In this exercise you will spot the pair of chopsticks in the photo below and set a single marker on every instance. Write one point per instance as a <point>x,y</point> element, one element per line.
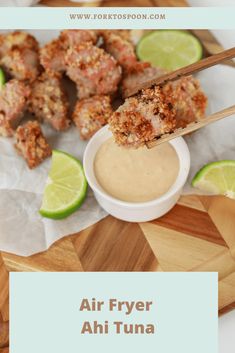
<point>175,75</point>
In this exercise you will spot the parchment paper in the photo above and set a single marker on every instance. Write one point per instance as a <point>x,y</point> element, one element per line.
<point>24,232</point>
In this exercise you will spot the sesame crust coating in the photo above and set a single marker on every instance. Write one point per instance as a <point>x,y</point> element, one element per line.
<point>48,101</point>
<point>93,70</point>
<point>17,39</point>
<point>31,144</point>
<point>91,114</point>
<point>21,63</point>
<point>73,37</point>
<point>133,79</point>
<point>123,33</point>
<point>20,56</point>
<point>143,117</point>
<point>157,111</point>
<point>123,51</point>
<point>189,100</point>
<point>13,97</point>
<point>52,55</point>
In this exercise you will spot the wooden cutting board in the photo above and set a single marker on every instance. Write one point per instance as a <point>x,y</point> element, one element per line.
<point>197,235</point>
<point>117,3</point>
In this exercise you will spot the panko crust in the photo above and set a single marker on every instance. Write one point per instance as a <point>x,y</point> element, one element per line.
<point>143,117</point>
<point>13,102</point>
<point>52,55</point>
<point>94,71</point>
<point>133,79</point>
<point>157,111</point>
<point>49,102</point>
<point>123,51</point>
<point>31,144</point>
<point>17,39</point>
<point>21,63</point>
<point>91,114</point>
<point>73,37</point>
<point>189,100</point>
<point>19,56</point>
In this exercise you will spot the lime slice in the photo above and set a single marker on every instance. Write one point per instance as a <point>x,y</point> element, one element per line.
<point>2,79</point>
<point>217,178</point>
<point>169,49</point>
<point>66,187</point>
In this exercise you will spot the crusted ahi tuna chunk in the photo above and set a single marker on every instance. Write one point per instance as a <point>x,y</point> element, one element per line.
<point>123,51</point>
<point>19,56</point>
<point>31,144</point>
<point>48,101</point>
<point>156,111</point>
<point>52,55</point>
<point>91,114</point>
<point>94,71</point>
<point>13,101</point>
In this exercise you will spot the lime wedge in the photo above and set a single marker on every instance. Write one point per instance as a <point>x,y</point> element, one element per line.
<point>169,49</point>
<point>66,187</point>
<point>2,79</point>
<point>217,178</point>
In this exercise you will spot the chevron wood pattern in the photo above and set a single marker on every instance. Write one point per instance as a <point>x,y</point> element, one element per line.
<point>197,235</point>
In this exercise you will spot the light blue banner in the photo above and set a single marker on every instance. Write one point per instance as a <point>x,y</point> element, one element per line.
<point>117,18</point>
<point>50,311</point>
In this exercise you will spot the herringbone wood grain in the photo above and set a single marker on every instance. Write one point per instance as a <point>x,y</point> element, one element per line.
<point>197,235</point>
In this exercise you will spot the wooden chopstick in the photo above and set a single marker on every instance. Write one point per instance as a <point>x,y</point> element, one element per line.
<point>184,71</point>
<point>193,126</point>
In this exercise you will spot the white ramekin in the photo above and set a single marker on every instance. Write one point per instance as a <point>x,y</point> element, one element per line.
<point>141,211</point>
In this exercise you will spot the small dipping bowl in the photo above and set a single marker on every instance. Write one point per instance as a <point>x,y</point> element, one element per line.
<point>135,211</point>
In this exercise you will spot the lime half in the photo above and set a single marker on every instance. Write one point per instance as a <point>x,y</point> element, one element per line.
<point>2,79</point>
<point>217,178</point>
<point>169,49</point>
<point>66,187</point>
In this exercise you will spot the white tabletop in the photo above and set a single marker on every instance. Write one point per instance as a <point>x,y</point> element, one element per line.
<point>227,333</point>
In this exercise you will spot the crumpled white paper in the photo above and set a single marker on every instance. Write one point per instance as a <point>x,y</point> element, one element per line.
<point>24,232</point>
<point>215,141</point>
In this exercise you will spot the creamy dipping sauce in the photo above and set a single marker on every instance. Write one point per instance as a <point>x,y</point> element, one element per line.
<point>139,175</point>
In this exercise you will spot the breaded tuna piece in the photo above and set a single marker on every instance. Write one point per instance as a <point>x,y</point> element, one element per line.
<point>31,144</point>
<point>133,79</point>
<point>143,117</point>
<point>157,111</point>
<point>22,64</point>
<point>94,71</point>
<point>190,101</point>
<point>17,39</point>
<point>20,56</point>
<point>124,34</point>
<point>91,114</point>
<point>52,55</point>
<point>48,101</point>
<point>123,51</point>
<point>73,37</point>
<point>13,101</point>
